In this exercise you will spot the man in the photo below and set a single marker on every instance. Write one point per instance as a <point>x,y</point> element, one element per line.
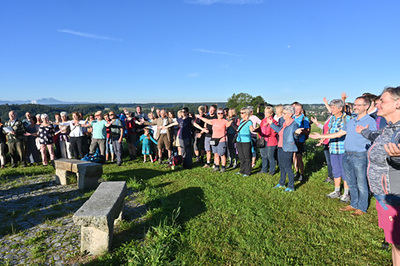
<point>163,136</point>
<point>117,132</point>
<point>15,130</point>
<point>208,134</point>
<point>99,134</point>
<point>303,122</point>
<point>336,148</point>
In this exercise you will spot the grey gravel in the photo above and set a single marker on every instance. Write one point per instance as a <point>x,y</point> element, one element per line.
<point>36,224</point>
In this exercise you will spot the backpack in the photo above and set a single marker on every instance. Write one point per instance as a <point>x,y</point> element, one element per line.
<point>93,157</point>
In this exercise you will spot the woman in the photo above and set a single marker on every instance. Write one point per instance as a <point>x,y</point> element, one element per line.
<point>109,147</point>
<point>383,168</point>
<point>63,136</point>
<point>243,142</point>
<point>32,149</point>
<point>198,144</point>
<point>219,127</point>
<point>270,136</point>
<point>287,133</point>
<point>130,124</point>
<point>46,139</point>
<point>76,135</point>
<point>231,132</point>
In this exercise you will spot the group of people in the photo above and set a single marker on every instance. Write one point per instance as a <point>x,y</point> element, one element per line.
<point>360,143</point>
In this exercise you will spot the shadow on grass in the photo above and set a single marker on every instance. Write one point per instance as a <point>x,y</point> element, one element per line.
<point>138,173</point>
<point>189,201</point>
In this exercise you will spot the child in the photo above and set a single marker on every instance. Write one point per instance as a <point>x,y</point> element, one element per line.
<point>146,147</point>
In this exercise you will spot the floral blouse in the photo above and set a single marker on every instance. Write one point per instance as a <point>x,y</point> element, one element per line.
<point>46,134</point>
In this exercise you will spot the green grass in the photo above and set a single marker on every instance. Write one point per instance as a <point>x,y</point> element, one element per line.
<point>197,217</point>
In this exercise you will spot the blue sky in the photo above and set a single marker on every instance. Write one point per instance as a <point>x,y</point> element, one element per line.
<point>197,50</point>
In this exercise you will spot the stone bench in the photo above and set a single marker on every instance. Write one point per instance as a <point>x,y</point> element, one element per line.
<point>97,216</point>
<point>87,173</point>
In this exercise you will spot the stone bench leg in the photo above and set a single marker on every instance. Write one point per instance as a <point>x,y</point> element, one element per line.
<point>62,176</point>
<point>88,177</point>
<point>96,241</point>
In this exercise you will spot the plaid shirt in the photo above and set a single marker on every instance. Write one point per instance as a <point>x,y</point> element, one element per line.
<point>336,146</point>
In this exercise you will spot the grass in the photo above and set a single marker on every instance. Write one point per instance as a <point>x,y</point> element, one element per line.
<point>197,217</point>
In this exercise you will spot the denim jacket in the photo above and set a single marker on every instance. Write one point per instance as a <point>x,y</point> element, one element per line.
<point>289,136</point>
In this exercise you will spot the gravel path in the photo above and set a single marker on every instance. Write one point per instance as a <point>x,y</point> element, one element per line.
<point>36,224</point>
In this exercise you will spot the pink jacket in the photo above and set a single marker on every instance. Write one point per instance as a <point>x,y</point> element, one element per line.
<point>268,133</point>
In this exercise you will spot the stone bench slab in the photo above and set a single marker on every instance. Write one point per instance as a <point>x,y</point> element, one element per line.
<point>97,215</point>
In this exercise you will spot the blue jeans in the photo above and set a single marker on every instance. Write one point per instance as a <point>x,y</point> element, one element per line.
<point>268,156</point>
<point>355,168</point>
<point>285,164</point>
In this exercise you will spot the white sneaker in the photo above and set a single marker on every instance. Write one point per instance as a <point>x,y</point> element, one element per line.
<point>334,195</point>
<point>345,198</point>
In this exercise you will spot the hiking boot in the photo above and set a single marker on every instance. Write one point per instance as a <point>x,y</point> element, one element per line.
<point>223,170</point>
<point>345,198</point>
<point>216,169</point>
<point>334,195</point>
<point>206,166</point>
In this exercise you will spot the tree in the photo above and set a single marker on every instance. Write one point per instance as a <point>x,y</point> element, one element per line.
<point>239,101</point>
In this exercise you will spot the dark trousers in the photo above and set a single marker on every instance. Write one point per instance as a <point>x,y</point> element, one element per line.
<point>285,165</point>
<point>232,155</point>
<point>16,149</point>
<point>77,147</point>
<point>244,152</point>
<point>117,149</point>
<point>187,152</point>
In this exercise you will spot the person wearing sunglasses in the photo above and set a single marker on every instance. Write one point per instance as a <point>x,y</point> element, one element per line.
<point>219,127</point>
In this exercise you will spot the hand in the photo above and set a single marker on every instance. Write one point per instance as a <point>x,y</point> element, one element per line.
<point>392,149</point>
<point>152,109</point>
<point>325,100</point>
<point>298,131</point>
<point>197,116</point>
<point>315,135</point>
<point>344,96</point>
<point>314,120</point>
<point>360,128</point>
<point>120,140</point>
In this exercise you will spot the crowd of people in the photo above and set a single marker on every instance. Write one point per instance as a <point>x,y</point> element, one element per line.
<point>360,143</point>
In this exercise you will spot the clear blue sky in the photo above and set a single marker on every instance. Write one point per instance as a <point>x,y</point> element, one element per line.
<point>197,50</point>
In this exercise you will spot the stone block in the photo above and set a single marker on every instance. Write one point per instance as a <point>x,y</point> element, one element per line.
<point>97,215</point>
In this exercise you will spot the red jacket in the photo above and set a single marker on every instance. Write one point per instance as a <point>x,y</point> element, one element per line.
<point>270,136</point>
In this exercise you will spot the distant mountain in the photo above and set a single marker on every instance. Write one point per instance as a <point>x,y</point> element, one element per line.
<point>43,101</point>
<point>48,101</point>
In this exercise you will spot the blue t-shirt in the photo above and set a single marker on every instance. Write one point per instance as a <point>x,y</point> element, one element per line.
<point>244,135</point>
<point>303,123</point>
<point>355,142</point>
<point>99,129</point>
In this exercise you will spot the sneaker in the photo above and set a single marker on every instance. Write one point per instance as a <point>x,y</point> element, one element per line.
<point>328,180</point>
<point>206,166</point>
<point>279,186</point>
<point>334,195</point>
<point>300,178</point>
<point>289,190</point>
<point>297,175</point>
<point>223,170</point>
<point>244,175</point>
<point>216,169</point>
<point>238,173</point>
<point>253,165</point>
<point>345,198</point>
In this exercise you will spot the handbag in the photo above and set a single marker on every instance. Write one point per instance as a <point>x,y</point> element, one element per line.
<point>260,143</point>
<point>214,141</point>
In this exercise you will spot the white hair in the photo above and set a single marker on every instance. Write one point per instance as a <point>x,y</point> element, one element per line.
<point>44,116</point>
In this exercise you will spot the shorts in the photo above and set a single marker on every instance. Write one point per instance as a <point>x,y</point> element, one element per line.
<point>337,166</point>
<point>220,149</point>
<point>300,147</point>
<point>207,145</point>
<point>389,221</point>
<point>163,140</point>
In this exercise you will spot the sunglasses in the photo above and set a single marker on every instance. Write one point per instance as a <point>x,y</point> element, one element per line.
<point>220,113</point>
